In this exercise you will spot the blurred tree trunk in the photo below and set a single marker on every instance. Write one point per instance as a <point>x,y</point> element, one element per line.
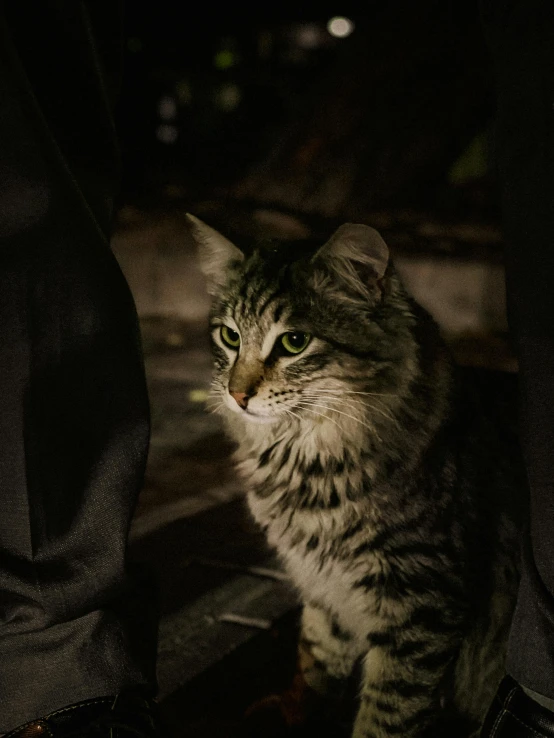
<point>409,90</point>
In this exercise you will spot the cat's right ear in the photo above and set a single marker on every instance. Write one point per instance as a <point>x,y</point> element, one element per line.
<point>216,253</point>
<point>356,258</point>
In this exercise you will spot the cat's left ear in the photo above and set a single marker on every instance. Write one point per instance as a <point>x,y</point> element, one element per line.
<point>215,252</point>
<point>357,255</point>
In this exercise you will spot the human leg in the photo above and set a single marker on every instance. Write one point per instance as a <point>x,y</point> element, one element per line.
<point>74,409</point>
<point>522,43</point>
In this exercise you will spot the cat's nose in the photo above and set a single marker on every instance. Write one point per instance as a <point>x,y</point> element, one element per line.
<point>241,398</point>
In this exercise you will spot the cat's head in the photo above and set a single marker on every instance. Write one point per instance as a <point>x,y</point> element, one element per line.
<point>305,332</point>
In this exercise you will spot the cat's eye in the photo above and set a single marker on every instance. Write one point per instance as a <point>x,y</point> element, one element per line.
<point>229,337</point>
<point>294,342</point>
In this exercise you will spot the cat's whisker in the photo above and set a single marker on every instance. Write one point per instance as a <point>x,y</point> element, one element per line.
<point>216,409</point>
<point>384,414</point>
<point>295,415</point>
<point>340,412</point>
<point>322,415</point>
<point>342,400</point>
<point>308,406</point>
<point>340,394</point>
<point>372,407</point>
<point>215,399</point>
<point>342,397</point>
<point>356,392</point>
<point>348,403</point>
<point>350,400</point>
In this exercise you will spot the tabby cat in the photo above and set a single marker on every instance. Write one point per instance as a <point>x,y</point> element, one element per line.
<point>389,482</point>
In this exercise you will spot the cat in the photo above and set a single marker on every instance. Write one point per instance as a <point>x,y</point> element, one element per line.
<point>389,481</point>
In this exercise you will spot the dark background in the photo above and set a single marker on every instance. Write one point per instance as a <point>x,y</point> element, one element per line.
<point>266,105</point>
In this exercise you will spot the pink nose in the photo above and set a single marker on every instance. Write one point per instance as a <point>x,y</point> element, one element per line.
<point>241,398</point>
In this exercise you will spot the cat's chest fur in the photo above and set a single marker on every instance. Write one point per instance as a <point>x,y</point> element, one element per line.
<point>309,496</point>
<point>309,546</point>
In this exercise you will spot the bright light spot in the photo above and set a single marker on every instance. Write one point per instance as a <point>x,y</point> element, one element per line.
<point>224,59</point>
<point>340,27</point>
<point>198,395</point>
<point>167,134</point>
<point>167,108</point>
<point>228,97</point>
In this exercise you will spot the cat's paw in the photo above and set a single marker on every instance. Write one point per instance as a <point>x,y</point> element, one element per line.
<point>269,717</point>
<point>298,711</point>
<point>281,714</point>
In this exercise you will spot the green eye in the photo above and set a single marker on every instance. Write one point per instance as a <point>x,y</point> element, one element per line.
<point>230,337</point>
<point>294,342</point>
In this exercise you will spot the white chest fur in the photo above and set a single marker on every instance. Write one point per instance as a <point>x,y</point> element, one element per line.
<point>319,574</point>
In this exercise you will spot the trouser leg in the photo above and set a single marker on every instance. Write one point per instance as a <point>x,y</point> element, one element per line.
<point>73,403</point>
<point>521,34</point>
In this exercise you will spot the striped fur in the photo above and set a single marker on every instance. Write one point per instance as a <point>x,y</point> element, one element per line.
<point>389,482</point>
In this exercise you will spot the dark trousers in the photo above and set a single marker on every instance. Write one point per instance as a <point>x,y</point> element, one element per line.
<point>73,405</point>
<point>521,35</point>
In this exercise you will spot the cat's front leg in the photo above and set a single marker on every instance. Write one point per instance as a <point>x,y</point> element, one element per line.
<point>327,652</point>
<point>404,672</point>
<point>327,655</point>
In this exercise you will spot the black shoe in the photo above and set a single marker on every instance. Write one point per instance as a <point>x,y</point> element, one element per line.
<point>515,715</point>
<point>124,716</point>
